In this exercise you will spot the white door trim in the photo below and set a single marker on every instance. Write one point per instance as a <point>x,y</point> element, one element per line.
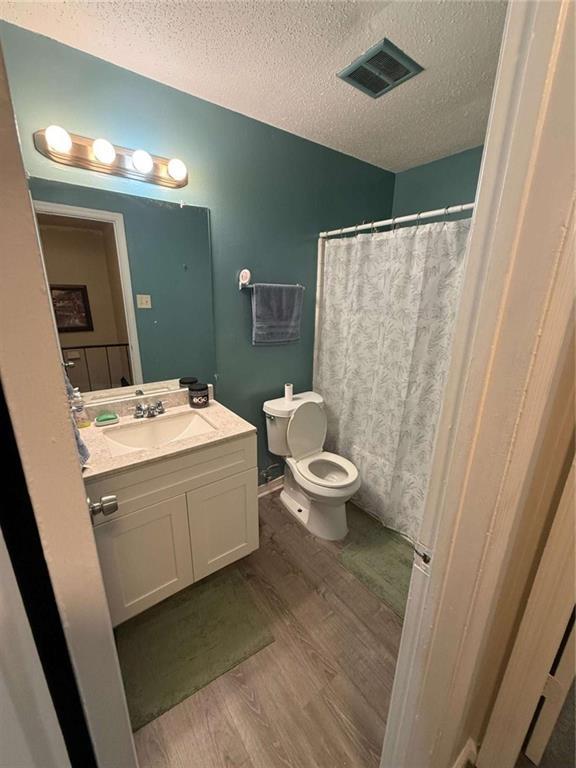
<point>543,625</point>
<point>117,221</point>
<point>33,385</point>
<point>523,206</point>
<point>467,756</point>
<point>30,734</point>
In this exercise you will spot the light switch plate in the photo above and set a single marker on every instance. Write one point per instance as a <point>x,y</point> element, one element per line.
<point>143,301</point>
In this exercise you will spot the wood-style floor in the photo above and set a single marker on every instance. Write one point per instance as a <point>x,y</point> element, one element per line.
<point>315,698</point>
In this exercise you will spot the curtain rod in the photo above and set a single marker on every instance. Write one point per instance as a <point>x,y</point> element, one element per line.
<point>401,219</point>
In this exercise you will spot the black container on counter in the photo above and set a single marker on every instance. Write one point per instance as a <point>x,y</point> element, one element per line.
<point>198,395</point>
<point>186,381</point>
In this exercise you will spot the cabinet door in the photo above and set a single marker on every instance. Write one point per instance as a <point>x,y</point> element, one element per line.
<point>145,556</point>
<point>223,522</point>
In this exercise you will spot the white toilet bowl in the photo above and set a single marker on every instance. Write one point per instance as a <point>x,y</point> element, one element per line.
<point>317,484</point>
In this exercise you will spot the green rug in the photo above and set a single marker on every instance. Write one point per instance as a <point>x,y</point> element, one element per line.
<point>180,645</point>
<point>379,557</point>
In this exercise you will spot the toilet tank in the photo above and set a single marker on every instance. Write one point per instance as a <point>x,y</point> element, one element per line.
<point>278,413</point>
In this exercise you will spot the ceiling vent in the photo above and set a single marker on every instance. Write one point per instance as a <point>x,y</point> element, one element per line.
<point>380,69</point>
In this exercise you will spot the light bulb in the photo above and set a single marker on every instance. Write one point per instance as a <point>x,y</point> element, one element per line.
<point>58,139</point>
<point>176,169</point>
<point>142,161</point>
<point>104,151</point>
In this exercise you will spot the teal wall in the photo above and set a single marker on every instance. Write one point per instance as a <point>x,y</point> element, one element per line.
<point>169,255</point>
<point>268,191</point>
<point>444,182</point>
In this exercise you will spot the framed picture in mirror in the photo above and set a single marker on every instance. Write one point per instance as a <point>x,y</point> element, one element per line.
<point>71,308</point>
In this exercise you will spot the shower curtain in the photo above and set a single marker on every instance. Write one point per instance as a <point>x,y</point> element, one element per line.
<point>387,303</point>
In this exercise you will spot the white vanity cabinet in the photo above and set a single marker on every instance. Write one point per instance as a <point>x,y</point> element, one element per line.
<point>145,556</point>
<point>179,519</point>
<point>223,526</point>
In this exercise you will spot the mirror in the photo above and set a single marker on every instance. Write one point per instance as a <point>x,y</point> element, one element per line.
<point>131,286</point>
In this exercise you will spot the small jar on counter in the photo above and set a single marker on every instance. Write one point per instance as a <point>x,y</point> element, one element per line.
<point>186,381</point>
<point>198,395</point>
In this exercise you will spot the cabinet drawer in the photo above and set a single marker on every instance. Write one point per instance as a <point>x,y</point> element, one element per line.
<point>162,479</point>
<point>223,520</point>
<point>145,557</point>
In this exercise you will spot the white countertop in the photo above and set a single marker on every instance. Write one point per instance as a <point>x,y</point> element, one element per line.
<point>227,426</point>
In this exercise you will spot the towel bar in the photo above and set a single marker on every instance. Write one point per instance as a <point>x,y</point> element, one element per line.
<point>245,276</point>
<point>249,286</point>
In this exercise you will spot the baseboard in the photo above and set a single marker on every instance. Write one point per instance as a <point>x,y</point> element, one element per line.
<point>270,487</point>
<point>467,756</point>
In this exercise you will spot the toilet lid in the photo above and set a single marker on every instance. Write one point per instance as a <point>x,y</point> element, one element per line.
<point>306,430</point>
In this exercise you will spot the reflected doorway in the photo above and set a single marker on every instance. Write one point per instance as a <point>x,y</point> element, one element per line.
<point>84,273</point>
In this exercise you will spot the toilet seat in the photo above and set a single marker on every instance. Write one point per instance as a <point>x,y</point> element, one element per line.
<point>306,430</point>
<point>305,437</point>
<point>327,469</point>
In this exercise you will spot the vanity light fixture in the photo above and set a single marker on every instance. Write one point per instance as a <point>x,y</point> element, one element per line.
<point>58,139</point>
<point>176,169</point>
<point>100,155</point>
<point>104,152</point>
<point>142,161</point>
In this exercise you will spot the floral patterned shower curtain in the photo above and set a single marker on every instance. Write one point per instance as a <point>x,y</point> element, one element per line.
<point>386,317</point>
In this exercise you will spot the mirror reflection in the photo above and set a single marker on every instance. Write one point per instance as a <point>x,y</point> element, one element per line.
<point>130,280</point>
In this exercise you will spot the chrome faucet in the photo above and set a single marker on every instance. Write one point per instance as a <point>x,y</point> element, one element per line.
<point>148,410</point>
<point>140,411</point>
<point>155,410</point>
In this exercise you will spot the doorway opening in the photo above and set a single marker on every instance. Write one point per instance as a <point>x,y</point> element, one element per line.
<point>89,283</point>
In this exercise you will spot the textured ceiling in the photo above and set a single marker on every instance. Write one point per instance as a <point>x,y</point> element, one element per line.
<point>276,61</point>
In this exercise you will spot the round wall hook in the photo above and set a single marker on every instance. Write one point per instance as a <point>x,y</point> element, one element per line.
<point>244,277</point>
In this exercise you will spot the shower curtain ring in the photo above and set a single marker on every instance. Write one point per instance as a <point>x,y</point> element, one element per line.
<point>418,219</point>
<point>446,213</point>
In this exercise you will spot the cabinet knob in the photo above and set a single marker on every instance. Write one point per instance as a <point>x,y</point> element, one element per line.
<point>106,506</point>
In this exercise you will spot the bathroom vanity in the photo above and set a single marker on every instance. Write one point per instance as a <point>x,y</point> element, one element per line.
<point>186,489</point>
<point>184,481</point>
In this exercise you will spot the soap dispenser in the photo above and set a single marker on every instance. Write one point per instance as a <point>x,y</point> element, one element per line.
<point>78,410</point>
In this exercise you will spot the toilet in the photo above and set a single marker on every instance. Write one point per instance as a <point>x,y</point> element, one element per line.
<point>317,484</point>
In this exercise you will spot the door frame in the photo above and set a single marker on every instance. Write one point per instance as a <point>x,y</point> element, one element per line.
<point>543,626</point>
<point>117,221</point>
<point>486,440</point>
<point>40,415</point>
<point>31,733</point>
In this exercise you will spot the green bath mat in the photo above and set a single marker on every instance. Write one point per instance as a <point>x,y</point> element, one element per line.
<point>180,645</point>
<point>379,557</point>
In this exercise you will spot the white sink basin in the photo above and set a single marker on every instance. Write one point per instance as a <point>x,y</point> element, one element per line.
<point>155,432</point>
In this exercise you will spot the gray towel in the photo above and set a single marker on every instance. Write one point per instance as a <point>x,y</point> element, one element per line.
<point>276,313</point>
<point>82,448</point>
<point>69,387</point>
